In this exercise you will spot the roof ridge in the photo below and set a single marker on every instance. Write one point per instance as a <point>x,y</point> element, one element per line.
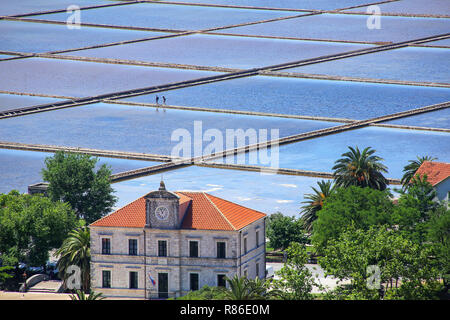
<point>226,219</point>
<point>237,204</point>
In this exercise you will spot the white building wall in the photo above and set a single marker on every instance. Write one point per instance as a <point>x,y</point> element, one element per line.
<point>177,264</point>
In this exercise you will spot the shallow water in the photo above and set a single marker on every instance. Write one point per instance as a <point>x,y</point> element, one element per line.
<point>395,146</point>
<point>265,193</point>
<point>445,42</point>
<point>348,27</point>
<point>220,51</point>
<point>339,99</point>
<point>436,119</point>
<point>28,6</point>
<point>11,101</point>
<point>436,7</point>
<point>21,168</point>
<point>409,64</point>
<point>175,17</point>
<point>285,4</point>
<point>42,37</point>
<point>138,129</point>
<point>82,79</point>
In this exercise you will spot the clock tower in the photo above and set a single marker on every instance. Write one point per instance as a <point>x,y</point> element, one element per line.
<point>162,209</point>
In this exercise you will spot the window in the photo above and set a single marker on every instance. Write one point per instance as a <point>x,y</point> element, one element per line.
<point>162,248</point>
<point>221,280</point>
<point>106,279</point>
<point>193,249</point>
<point>133,280</point>
<point>221,249</point>
<point>257,238</point>
<point>193,281</point>
<point>257,269</point>
<point>245,245</point>
<point>246,273</point>
<point>106,246</point>
<point>132,247</point>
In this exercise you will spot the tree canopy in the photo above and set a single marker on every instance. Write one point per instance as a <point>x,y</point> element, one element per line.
<point>360,207</point>
<point>73,179</point>
<point>30,226</point>
<point>282,230</point>
<point>362,169</point>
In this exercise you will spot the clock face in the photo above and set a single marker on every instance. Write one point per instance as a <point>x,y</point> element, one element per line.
<point>162,213</point>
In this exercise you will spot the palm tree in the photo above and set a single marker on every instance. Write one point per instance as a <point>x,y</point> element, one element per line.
<point>75,250</point>
<point>80,295</point>
<point>410,170</point>
<point>241,288</point>
<point>315,202</point>
<point>362,169</point>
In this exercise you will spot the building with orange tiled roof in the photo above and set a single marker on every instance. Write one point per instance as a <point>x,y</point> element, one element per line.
<point>438,174</point>
<point>165,244</point>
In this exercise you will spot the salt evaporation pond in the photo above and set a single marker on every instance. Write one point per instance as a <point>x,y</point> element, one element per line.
<point>136,129</point>
<point>21,168</point>
<point>338,99</point>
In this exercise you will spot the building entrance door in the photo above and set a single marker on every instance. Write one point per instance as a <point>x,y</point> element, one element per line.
<point>163,285</point>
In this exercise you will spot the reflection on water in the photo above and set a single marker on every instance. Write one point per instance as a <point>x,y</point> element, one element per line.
<point>265,193</point>
<point>82,79</point>
<point>395,146</point>
<point>28,6</point>
<point>408,64</point>
<point>10,101</point>
<point>138,129</point>
<point>436,119</point>
<point>287,4</point>
<point>220,51</point>
<point>337,99</point>
<point>437,7</point>
<point>173,17</point>
<point>348,27</point>
<point>19,169</point>
<point>42,37</point>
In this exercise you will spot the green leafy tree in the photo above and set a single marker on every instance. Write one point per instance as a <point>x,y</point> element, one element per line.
<point>75,250</point>
<point>415,207</point>
<point>282,230</point>
<point>296,281</point>
<point>362,169</point>
<point>438,235</point>
<point>362,207</point>
<point>72,178</point>
<point>405,269</point>
<point>31,226</point>
<point>315,202</point>
<point>410,170</point>
<point>5,274</point>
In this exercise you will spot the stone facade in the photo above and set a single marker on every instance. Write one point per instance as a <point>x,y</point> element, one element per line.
<point>244,255</point>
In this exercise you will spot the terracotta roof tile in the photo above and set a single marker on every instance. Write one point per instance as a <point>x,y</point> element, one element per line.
<point>201,211</point>
<point>435,171</point>
<point>237,215</point>
<point>130,216</point>
<point>203,214</point>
